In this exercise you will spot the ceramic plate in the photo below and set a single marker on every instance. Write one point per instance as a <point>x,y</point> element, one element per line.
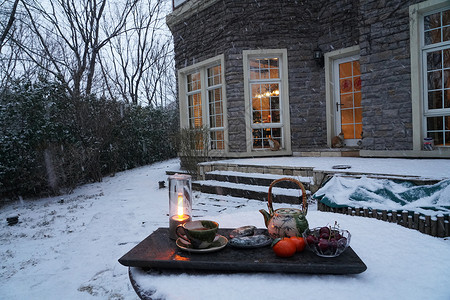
<point>219,242</point>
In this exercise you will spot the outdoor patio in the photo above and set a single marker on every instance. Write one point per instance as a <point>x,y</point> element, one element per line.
<point>69,249</point>
<point>151,284</point>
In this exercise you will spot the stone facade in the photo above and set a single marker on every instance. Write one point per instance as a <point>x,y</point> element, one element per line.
<point>386,74</point>
<point>380,28</point>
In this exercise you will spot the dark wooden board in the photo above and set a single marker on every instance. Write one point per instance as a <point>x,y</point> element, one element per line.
<point>157,251</point>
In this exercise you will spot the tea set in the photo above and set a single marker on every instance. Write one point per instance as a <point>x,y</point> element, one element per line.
<point>201,235</point>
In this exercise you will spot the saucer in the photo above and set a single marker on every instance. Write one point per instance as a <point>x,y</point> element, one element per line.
<point>219,242</point>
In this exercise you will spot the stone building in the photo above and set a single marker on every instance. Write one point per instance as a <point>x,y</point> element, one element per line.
<point>285,77</point>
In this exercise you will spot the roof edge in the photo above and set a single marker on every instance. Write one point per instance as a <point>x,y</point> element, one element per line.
<point>187,10</point>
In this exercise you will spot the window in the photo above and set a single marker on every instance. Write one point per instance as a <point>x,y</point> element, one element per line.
<point>202,100</point>
<point>429,48</point>
<point>215,102</point>
<point>348,114</point>
<point>436,75</point>
<point>265,94</point>
<point>343,95</point>
<point>265,73</point>
<point>194,100</point>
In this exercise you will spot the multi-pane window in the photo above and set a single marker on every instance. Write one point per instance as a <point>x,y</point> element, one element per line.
<point>436,61</point>
<point>265,83</point>
<point>215,102</point>
<point>437,27</point>
<point>350,99</point>
<point>206,83</point>
<point>194,100</point>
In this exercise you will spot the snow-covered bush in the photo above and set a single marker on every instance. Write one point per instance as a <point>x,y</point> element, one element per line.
<point>51,142</point>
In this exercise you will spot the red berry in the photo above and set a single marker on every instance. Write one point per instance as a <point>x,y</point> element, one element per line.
<point>323,245</point>
<point>324,235</point>
<point>324,230</point>
<point>312,240</point>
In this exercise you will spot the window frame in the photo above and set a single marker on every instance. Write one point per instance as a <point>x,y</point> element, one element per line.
<point>213,88</point>
<point>419,99</point>
<point>427,111</point>
<point>330,95</point>
<point>183,93</point>
<point>350,142</point>
<point>283,82</point>
<point>194,93</point>
<point>425,49</point>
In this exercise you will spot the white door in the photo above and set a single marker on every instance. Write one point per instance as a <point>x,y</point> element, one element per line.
<point>347,95</point>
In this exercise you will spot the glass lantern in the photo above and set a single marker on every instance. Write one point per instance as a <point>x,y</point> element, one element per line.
<point>180,202</point>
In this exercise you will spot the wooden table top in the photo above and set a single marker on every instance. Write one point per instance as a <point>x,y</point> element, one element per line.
<point>157,251</point>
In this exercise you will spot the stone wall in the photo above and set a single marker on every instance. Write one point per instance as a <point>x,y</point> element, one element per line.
<point>386,74</point>
<point>380,28</point>
<point>335,24</point>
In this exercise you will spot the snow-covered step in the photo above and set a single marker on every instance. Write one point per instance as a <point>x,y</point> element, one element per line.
<point>210,204</point>
<point>257,178</point>
<point>256,192</point>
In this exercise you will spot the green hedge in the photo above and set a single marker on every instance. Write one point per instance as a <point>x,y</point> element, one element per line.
<point>50,143</point>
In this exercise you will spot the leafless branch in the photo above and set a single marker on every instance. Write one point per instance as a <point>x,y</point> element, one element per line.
<point>118,48</point>
<point>9,24</point>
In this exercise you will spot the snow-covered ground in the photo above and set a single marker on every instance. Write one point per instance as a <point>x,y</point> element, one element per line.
<point>67,247</point>
<point>426,168</point>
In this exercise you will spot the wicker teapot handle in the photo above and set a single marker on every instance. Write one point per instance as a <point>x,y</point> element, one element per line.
<point>304,203</point>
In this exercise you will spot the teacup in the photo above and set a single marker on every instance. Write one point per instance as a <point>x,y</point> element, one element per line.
<point>200,234</point>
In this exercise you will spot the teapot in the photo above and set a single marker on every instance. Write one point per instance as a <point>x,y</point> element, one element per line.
<point>285,222</point>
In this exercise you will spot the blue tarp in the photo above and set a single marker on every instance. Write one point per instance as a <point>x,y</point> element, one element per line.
<point>373,193</point>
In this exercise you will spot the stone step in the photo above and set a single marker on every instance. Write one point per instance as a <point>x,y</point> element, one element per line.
<point>255,192</point>
<point>209,204</point>
<point>258,179</point>
<point>236,167</point>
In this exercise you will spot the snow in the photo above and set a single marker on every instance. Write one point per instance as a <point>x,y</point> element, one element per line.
<point>425,168</point>
<point>67,247</point>
<point>387,194</point>
<point>253,188</point>
<point>259,175</point>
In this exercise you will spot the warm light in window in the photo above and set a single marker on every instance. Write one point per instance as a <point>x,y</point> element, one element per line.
<point>268,94</point>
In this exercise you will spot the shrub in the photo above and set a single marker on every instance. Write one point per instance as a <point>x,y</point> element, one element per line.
<point>50,142</point>
<point>193,148</point>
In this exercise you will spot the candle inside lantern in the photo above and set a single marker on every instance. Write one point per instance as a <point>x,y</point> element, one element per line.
<point>180,204</point>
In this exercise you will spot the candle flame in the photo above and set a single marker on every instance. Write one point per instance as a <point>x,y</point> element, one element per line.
<point>180,205</point>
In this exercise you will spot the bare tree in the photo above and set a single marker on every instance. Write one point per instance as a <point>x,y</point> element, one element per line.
<point>8,25</point>
<point>120,49</point>
<point>70,35</point>
<point>140,59</point>
<point>13,64</point>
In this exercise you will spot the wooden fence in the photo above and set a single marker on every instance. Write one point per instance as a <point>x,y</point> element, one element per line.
<point>436,226</point>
